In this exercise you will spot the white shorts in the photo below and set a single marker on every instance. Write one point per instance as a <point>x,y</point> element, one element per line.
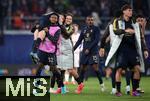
<point>76,60</point>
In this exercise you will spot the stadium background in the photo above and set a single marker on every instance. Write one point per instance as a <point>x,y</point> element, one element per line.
<point>17,17</point>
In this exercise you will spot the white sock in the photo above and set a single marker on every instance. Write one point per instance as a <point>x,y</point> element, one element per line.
<point>72,79</point>
<point>66,77</point>
<point>128,88</point>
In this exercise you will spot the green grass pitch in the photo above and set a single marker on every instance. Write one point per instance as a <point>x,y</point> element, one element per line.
<point>92,92</point>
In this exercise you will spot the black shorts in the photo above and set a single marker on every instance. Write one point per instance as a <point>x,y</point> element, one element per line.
<point>88,59</point>
<point>127,59</point>
<point>47,58</point>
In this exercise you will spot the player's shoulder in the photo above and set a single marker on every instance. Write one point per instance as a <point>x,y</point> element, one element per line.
<point>118,19</point>
<point>95,28</point>
<point>83,28</point>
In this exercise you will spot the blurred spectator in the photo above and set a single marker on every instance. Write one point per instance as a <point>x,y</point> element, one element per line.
<point>104,8</point>
<point>86,7</point>
<point>80,8</point>
<point>24,8</point>
<point>141,7</point>
<point>61,5</point>
<point>49,9</point>
<point>35,7</point>
<point>97,21</point>
<point>17,20</point>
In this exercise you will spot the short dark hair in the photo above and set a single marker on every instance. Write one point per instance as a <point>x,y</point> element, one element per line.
<point>54,13</point>
<point>126,6</point>
<point>89,16</point>
<point>76,24</point>
<point>139,16</point>
<point>68,14</point>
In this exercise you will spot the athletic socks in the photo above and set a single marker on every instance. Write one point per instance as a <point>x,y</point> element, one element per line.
<point>59,79</point>
<point>113,78</point>
<point>99,77</point>
<point>128,77</point>
<point>66,77</point>
<point>72,79</point>
<point>53,79</point>
<point>135,84</point>
<point>34,49</point>
<point>138,83</point>
<point>78,80</point>
<point>82,73</point>
<point>118,84</point>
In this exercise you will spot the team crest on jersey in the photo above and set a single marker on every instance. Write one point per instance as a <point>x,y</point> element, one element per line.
<point>95,59</point>
<point>87,37</point>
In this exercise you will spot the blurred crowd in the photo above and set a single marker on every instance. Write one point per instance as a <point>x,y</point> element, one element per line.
<point>103,10</point>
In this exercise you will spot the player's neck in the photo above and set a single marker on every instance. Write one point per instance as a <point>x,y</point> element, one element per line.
<point>126,18</point>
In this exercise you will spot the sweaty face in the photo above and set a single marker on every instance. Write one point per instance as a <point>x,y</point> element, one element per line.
<point>89,21</point>
<point>53,19</point>
<point>68,20</point>
<point>128,12</point>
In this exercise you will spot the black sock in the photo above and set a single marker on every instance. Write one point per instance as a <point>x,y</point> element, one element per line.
<point>36,44</point>
<point>135,84</point>
<point>98,74</point>
<point>118,84</point>
<point>59,79</point>
<point>34,49</point>
<point>132,74</point>
<point>138,83</point>
<point>62,74</point>
<point>60,83</point>
<point>113,78</point>
<point>53,79</point>
<point>82,74</point>
<point>62,78</point>
<point>78,80</point>
<point>128,77</point>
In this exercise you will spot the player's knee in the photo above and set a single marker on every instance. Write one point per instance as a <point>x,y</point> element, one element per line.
<point>95,68</point>
<point>137,69</point>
